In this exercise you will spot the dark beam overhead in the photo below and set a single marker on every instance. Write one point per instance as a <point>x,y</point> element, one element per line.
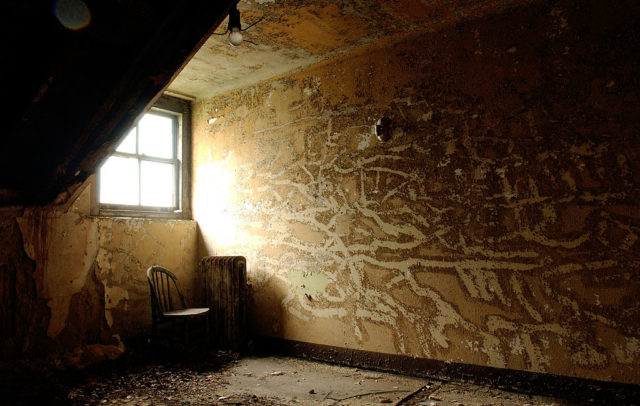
<point>71,94</point>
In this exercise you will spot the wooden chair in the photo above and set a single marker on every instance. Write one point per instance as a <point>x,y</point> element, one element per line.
<point>167,314</point>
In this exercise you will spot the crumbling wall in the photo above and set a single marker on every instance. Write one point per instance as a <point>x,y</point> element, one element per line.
<point>23,315</point>
<point>499,225</point>
<point>82,278</point>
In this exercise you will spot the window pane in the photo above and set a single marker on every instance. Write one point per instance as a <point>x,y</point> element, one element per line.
<point>128,144</point>
<point>156,136</point>
<point>119,181</point>
<point>157,184</point>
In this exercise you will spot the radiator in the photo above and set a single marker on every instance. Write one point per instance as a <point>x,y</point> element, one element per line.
<point>225,293</point>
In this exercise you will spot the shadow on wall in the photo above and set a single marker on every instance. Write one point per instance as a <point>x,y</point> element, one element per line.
<point>23,315</point>
<point>273,307</point>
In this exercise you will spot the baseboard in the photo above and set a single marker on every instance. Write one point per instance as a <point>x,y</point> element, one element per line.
<point>576,389</point>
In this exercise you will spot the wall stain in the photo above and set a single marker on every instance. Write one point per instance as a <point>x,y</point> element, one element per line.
<point>500,229</point>
<point>77,283</point>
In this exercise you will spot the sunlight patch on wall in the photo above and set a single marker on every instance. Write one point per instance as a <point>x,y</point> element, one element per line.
<point>214,208</point>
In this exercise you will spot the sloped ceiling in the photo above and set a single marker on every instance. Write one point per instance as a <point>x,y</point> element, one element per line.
<point>297,33</point>
<point>71,93</point>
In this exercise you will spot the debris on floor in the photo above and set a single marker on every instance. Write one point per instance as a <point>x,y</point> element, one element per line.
<point>223,378</point>
<point>296,381</point>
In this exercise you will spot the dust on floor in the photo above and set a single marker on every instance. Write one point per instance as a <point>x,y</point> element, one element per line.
<point>226,379</point>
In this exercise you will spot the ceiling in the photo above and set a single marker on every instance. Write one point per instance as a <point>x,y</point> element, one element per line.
<point>81,89</point>
<point>297,33</point>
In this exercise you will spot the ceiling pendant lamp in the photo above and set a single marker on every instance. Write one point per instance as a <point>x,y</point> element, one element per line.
<point>234,28</point>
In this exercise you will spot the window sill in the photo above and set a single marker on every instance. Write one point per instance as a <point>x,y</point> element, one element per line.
<point>135,214</point>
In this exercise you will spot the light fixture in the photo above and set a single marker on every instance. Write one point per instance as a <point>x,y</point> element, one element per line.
<point>235,37</point>
<point>387,128</point>
<point>383,129</point>
<point>234,27</point>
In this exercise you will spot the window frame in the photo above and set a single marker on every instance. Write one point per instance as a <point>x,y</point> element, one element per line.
<point>180,110</point>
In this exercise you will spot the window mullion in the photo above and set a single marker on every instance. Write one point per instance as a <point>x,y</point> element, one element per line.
<point>124,154</point>
<point>171,161</point>
<point>176,167</point>
<point>139,182</point>
<point>139,165</point>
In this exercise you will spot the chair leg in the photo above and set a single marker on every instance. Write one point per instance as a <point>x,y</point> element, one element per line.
<point>174,334</point>
<point>186,333</point>
<point>154,332</point>
<point>206,327</point>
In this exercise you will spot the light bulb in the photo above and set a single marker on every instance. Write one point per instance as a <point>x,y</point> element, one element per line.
<point>235,38</point>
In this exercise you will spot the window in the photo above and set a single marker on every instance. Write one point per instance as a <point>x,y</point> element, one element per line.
<point>145,175</point>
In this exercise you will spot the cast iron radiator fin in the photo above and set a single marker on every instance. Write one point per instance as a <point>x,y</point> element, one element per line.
<point>225,293</point>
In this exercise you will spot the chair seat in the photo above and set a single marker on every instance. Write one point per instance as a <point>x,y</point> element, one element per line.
<point>193,311</point>
<point>165,298</point>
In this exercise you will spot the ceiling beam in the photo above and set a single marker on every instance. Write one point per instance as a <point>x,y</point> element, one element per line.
<point>74,93</point>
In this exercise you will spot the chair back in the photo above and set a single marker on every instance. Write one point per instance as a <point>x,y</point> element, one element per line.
<point>163,287</point>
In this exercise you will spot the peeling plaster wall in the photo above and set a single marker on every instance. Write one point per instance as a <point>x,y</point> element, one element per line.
<point>500,229</point>
<point>84,277</point>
